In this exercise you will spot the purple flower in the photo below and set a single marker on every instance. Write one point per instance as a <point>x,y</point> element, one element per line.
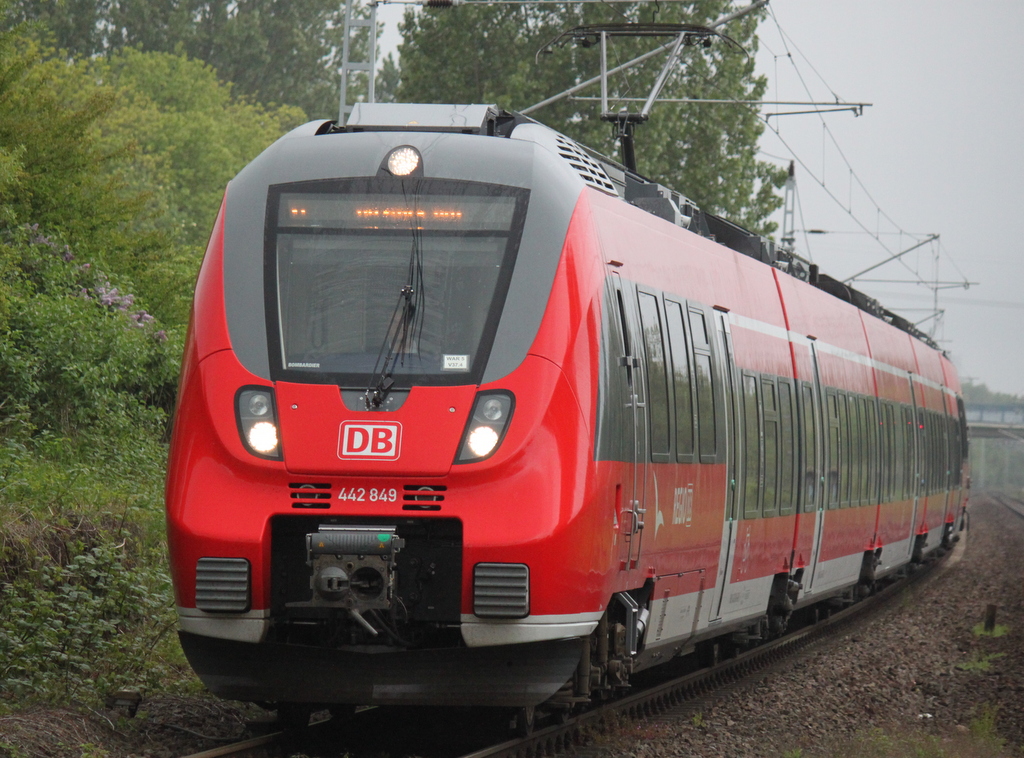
<point>160,336</point>
<point>141,318</point>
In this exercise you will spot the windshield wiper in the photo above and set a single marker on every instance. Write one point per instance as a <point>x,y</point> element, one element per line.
<point>395,344</point>
<point>406,319</point>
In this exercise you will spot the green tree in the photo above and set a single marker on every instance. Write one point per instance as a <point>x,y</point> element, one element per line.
<point>274,51</point>
<point>487,54</point>
<point>135,176</point>
<point>51,158</point>
<point>978,392</point>
<point>189,136</point>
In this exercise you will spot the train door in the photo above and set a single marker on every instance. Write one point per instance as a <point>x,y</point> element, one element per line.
<point>914,418</point>
<point>815,423</point>
<point>733,459</point>
<point>948,437</point>
<point>631,525</point>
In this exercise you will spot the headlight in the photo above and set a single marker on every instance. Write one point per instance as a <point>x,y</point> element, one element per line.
<point>487,426</point>
<point>482,440</point>
<point>263,437</point>
<point>257,421</point>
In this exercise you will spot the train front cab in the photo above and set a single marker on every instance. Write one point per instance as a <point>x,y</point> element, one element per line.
<point>368,553</point>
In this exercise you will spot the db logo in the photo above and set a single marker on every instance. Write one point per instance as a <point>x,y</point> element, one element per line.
<point>381,441</point>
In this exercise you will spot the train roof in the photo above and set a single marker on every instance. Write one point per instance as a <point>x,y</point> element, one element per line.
<point>611,177</point>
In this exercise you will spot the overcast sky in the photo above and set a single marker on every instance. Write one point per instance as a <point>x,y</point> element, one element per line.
<point>940,151</point>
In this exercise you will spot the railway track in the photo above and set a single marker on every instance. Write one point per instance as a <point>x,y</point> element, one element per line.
<point>1012,504</point>
<point>676,695</point>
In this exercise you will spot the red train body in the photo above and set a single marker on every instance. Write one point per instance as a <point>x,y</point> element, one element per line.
<point>507,426</point>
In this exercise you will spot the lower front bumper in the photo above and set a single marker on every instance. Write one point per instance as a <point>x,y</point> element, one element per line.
<point>507,675</point>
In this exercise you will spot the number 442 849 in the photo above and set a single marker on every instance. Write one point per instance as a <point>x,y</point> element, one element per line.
<point>368,494</point>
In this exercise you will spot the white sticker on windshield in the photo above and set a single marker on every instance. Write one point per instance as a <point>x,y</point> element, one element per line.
<point>455,363</point>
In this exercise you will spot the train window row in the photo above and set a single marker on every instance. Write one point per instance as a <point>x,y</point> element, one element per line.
<point>876,450</point>
<point>685,411</point>
<point>852,456</point>
<point>770,462</point>
<point>869,453</point>
<point>942,443</point>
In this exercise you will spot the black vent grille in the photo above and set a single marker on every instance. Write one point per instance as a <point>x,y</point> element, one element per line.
<point>589,170</point>
<point>431,493</point>
<point>316,495</point>
<point>501,590</point>
<point>423,497</point>
<point>222,585</point>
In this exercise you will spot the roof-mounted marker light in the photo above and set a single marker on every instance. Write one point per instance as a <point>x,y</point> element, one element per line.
<point>404,161</point>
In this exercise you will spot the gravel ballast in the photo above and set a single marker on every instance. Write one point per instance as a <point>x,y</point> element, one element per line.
<point>916,673</point>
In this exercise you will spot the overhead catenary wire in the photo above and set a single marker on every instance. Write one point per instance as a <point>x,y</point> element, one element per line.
<point>893,256</point>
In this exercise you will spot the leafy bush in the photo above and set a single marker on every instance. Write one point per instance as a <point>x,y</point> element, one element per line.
<point>64,629</point>
<point>79,358</point>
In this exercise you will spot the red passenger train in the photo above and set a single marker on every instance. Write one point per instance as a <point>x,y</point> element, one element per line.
<point>472,416</point>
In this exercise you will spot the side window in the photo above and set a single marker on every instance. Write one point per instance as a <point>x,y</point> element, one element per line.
<point>787,449</point>
<point>770,488</point>
<point>844,450</point>
<point>657,376</point>
<point>888,456</point>
<point>929,447</point>
<point>954,451</point>
<point>834,436</point>
<point>685,418</point>
<point>624,326</point>
<point>899,454</point>
<point>809,438</point>
<point>613,414</point>
<point>752,448</point>
<point>910,453</point>
<point>856,449</point>
<point>706,401</point>
<point>929,454</point>
<point>964,440</point>
<point>872,430</point>
<point>866,447</point>
<point>941,431</point>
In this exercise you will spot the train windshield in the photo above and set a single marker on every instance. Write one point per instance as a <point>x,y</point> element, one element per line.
<point>381,275</point>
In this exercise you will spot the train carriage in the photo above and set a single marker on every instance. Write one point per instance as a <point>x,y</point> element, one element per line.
<point>470,415</point>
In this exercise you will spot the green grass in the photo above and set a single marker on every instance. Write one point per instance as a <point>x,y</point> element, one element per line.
<point>998,631</point>
<point>980,663</point>
<point>979,740</point>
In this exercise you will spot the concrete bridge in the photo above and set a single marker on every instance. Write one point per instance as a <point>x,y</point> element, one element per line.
<point>996,421</point>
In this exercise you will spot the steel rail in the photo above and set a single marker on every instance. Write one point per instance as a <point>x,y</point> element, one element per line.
<point>243,748</point>
<point>1012,504</point>
<point>683,691</point>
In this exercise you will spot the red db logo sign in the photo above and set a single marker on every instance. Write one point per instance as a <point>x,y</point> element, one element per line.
<point>377,442</point>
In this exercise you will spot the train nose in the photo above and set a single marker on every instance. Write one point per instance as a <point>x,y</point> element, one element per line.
<point>321,436</point>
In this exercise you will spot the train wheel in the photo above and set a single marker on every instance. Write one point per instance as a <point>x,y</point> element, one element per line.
<point>947,536</point>
<point>523,721</point>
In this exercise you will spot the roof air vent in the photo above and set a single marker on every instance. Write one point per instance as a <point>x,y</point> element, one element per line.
<point>589,170</point>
